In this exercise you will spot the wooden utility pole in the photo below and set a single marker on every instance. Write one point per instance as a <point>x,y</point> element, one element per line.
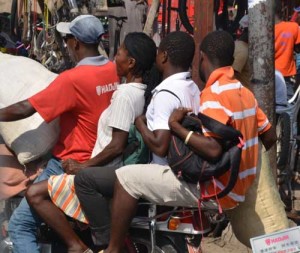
<point>203,25</point>
<point>261,53</point>
<point>261,57</point>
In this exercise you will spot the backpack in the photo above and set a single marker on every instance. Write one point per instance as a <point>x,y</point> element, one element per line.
<point>191,168</point>
<point>136,152</point>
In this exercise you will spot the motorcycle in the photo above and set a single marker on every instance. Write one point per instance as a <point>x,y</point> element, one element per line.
<point>154,229</point>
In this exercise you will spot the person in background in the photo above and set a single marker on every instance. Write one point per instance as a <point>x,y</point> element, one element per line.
<point>296,18</point>
<point>287,41</point>
<point>78,97</point>
<point>242,70</point>
<point>241,56</point>
<point>134,12</point>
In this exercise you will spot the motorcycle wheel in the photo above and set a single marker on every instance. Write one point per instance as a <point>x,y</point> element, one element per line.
<point>182,10</point>
<point>172,243</point>
<point>143,245</point>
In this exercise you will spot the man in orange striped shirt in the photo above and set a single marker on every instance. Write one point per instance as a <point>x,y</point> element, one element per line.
<point>286,42</point>
<point>223,98</point>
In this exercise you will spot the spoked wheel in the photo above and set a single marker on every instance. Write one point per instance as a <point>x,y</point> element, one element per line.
<point>182,9</point>
<point>283,132</point>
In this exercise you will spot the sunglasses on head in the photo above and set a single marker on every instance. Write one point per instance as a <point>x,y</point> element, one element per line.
<point>67,37</point>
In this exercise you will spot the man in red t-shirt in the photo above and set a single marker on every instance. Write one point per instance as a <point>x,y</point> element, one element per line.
<point>287,40</point>
<point>78,97</point>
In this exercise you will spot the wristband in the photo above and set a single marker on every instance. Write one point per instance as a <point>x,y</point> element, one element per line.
<point>188,137</point>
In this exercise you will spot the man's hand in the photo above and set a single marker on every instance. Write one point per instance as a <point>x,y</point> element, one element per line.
<point>178,115</point>
<point>71,166</point>
<point>140,121</point>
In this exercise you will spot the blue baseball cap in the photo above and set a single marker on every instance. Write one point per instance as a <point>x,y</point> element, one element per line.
<point>86,28</point>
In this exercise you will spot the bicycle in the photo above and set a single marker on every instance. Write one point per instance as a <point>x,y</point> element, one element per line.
<point>182,18</point>
<point>288,147</point>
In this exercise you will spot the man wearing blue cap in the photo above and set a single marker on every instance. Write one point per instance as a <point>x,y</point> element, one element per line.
<point>78,96</point>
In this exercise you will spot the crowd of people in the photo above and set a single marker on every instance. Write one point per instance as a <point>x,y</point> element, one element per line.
<point>105,98</point>
<point>286,49</point>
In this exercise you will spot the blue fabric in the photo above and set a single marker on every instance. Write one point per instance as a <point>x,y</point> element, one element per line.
<point>280,91</point>
<point>298,63</point>
<point>22,227</point>
<point>87,29</point>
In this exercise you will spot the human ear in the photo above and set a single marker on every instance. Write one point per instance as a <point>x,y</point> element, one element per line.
<point>76,44</point>
<point>165,56</point>
<point>132,63</point>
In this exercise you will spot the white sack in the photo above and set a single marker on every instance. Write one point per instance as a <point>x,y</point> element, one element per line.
<point>20,78</point>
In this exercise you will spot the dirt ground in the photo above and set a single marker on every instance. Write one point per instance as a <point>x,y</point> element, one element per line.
<point>228,243</point>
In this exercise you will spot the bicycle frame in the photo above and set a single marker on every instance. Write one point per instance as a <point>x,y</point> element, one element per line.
<point>290,170</point>
<point>292,109</point>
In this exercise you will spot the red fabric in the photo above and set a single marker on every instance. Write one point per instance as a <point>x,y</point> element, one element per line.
<point>225,100</point>
<point>221,7</point>
<point>294,16</point>
<point>73,96</point>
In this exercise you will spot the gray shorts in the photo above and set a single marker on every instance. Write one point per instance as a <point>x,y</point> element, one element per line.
<point>158,184</point>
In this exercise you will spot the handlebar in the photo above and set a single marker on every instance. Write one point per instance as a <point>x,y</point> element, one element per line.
<point>297,92</point>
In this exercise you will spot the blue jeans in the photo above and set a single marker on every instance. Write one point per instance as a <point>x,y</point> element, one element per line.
<point>22,227</point>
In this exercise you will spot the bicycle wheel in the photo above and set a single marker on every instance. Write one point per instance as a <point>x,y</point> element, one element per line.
<point>283,131</point>
<point>182,9</point>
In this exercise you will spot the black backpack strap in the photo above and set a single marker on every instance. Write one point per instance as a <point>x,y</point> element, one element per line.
<point>226,132</point>
<point>235,159</point>
<point>171,92</point>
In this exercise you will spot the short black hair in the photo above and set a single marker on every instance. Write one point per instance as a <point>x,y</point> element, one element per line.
<point>143,49</point>
<point>219,48</point>
<point>180,48</point>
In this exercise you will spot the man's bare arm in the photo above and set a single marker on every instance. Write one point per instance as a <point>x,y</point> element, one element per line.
<point>17,111</point>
